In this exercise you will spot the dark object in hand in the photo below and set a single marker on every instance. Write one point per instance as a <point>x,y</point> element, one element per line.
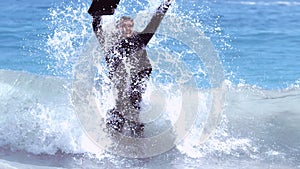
<point>103,7</point>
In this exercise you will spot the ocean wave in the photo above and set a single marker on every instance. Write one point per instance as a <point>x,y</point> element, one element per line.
<point>37,116</point>
<point>255,125</point>
<point>263,3</point>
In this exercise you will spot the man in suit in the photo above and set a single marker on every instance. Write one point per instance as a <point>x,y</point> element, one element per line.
<point>128,64</point>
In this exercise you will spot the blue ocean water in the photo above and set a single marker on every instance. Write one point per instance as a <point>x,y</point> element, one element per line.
<point>266,37</point>
<point>258,45</point>
<point>263,38</point>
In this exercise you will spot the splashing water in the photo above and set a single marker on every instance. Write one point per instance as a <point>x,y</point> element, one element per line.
<point>53,128</point>
<point>71,29</point>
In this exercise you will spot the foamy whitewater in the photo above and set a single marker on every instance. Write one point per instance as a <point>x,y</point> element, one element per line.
<point>257,128</point>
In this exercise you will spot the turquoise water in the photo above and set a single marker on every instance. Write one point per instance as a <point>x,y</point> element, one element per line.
<point>258,45</point>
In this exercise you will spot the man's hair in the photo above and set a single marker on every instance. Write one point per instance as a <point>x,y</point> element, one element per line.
<point>123,19</point>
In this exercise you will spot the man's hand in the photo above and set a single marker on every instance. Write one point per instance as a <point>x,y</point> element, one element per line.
<point>168,1</point>
<point>103,7</point>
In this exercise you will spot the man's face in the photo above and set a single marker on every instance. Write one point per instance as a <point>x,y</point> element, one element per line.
<point>127,28</point>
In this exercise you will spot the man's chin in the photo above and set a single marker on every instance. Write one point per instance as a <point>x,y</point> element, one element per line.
<point>127,35</point>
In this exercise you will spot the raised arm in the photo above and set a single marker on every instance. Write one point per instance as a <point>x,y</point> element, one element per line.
<point>156,19</point>
<point>97,27</point>
<point>99,8</point>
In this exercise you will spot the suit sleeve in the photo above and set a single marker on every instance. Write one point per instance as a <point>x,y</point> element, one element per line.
<point>97,28</point>
<point>156,19</point>
<point>99,8</point>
